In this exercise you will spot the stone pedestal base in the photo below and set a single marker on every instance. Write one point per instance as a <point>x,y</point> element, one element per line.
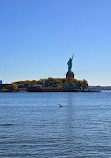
<point>70,75</point>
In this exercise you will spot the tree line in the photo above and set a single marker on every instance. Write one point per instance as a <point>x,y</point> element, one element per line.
<point>49,82</point>
<point>53,82</point>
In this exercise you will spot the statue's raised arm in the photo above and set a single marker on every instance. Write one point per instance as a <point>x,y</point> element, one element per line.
<point>72,56</point>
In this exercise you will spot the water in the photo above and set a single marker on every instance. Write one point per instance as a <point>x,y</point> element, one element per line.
<point>33,125</point>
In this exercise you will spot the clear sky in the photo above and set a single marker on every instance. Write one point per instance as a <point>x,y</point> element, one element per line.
<point>37,37</point>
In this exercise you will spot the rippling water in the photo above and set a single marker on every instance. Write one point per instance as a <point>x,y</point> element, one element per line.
<point>33,125</point>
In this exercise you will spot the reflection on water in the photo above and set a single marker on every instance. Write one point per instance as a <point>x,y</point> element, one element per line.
<point>32,125</point>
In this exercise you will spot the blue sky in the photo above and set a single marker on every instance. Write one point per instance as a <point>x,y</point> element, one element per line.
<point>37,37</point>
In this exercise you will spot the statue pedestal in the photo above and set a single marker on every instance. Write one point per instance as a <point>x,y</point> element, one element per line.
<point>70,75</point>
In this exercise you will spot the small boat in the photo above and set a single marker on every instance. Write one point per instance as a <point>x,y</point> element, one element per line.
<point>92,90</point>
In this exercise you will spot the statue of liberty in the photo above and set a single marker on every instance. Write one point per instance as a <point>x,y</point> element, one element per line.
<point>69,63</point>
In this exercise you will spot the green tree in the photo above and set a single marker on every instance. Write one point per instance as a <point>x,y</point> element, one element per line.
<point>84,84</point>
<point>12,87</point>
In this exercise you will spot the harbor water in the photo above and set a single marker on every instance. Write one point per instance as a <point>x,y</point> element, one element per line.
<point>34,125</point>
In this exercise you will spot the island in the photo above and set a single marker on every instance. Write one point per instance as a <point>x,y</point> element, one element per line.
<point>67,84</point>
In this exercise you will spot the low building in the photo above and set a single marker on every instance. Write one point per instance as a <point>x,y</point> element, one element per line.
<point>35,88</point>
<point>40,88</point>
<point>3,86</point>
<point>72,88</point>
